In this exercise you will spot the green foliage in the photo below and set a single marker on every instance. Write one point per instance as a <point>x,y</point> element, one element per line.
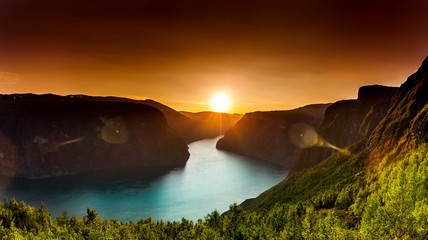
<point>398,205</point>
<point>320,186</point>
<point>21,216</point>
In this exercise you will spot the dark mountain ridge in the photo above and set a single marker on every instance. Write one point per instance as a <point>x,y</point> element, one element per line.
<point>348,121</point>
<point>190,126</point>
<point>177,121</point>
<point>264,135</point>
<point>405,126</point>
<point>345,179</point>
<point>49,135</point>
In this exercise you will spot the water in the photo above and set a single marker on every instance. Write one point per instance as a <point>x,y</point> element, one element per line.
<point>211,179</point>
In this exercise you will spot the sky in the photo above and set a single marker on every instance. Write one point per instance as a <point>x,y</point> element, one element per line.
<point>266,55</point>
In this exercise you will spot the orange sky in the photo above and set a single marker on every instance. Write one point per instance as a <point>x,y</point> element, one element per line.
<point>265,54</point>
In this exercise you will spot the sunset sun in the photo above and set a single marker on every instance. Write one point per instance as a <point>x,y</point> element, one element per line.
<point>220,102</point>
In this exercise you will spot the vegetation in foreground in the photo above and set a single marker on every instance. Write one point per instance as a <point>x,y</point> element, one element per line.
<point>389,204</point>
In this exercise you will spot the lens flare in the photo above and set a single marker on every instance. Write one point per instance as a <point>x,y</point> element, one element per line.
<point>52,147</point>
<point>305,136</point>
<point>115,131</point>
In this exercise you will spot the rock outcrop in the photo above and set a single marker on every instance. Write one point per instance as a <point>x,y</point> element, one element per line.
<point>49,135</point>
<point>405,125</point>
<point>265,135</point>
<point>348,121</point>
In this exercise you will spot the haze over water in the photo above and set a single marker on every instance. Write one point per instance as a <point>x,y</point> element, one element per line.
<point>211,179</point>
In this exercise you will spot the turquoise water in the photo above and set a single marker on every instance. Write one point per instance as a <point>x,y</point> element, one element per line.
<point>211,179</point>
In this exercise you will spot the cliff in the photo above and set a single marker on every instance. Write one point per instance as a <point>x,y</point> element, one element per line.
<point>405,125</point>
<point>49,135</point>
<point>346,179</point>
<point>266,135</point>
<point>181,124</point>
<point>190,126</point>
<point>348,121</point>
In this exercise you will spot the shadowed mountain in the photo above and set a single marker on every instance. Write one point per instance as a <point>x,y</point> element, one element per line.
<point>348,121</point>
<point>211,124</point>
<point>177,121</point>
<point>266,135</point>
<point>50,135</point>
<point>347,179</point>
<point>405,125</point>
<point>190,126</point>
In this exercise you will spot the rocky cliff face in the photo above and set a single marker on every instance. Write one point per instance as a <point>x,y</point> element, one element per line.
<point>266,135</point>
<point>406,122</point>
<point>402,129</point>
<point>49,135</point>
<point>348,121</point>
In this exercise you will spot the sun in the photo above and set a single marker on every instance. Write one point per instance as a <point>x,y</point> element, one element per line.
<point>220,102</point>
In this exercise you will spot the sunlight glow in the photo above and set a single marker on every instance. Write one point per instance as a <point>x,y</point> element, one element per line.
<point>305,136</point>
<point>220,102</point>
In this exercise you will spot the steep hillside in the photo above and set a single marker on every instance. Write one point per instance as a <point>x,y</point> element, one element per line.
<point>406,124</point>
<point>348,121</point>
<point>348,178</point>
<point>178,122</point>
<point>190,126</point>
<point>49,135</point>
<point>266,135</point>
<point>211,124</point>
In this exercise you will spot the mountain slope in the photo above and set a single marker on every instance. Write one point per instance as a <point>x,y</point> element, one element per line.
<point>177,121</point>
<point>190,126</point>
<point>49,135</point>
<point>406,124</point>
<point>265,135</point>
<point>344,179</point>
<point>348,121</point>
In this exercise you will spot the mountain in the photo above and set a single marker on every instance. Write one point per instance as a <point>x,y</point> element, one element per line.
<point>405,126</point>
<point>182,124</point>
<point>190,126</point>
<point>380,178</point>
<point>266,135</point>
<point>50,135</point>
<point>211,124</point>
<point>177,121</point>
<point>348,121</point>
